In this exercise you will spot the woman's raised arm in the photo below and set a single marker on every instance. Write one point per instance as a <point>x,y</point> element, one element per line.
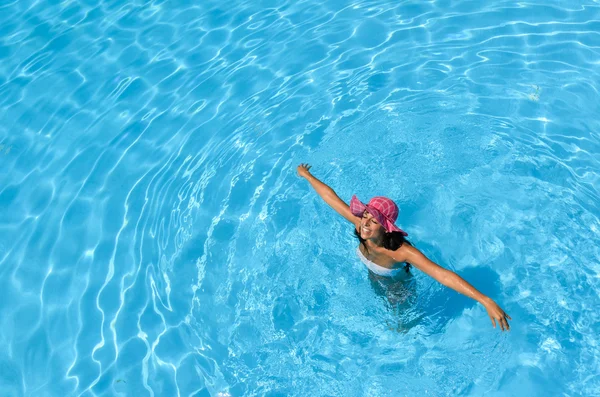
<point>450,279</point>
<point>327,194</point>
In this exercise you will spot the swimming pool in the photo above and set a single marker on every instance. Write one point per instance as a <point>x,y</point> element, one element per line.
<point>156,241</point>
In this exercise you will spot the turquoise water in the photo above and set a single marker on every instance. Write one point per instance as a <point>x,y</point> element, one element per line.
<point>155,240</point>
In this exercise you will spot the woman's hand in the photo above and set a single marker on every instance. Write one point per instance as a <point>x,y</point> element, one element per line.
<point>303,170</point>
<point>497,314</point>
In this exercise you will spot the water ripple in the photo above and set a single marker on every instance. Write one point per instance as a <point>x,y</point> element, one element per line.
<point>157,241</point>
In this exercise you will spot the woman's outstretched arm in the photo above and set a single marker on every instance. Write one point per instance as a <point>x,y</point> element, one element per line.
<point>457,283</point>
<point>327,194</point>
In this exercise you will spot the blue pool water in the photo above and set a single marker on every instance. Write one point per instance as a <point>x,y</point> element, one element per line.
<point>156,241</point>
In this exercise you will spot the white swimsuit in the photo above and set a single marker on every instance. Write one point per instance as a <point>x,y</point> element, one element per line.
<point>375,268</point>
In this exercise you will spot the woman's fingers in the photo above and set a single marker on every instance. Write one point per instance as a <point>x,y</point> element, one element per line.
<point>501,318</point>
<point>506,322</point>
<point>496,314</point>
<point>303,170</point>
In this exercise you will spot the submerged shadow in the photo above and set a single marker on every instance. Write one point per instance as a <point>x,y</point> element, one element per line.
<point>448,304</point>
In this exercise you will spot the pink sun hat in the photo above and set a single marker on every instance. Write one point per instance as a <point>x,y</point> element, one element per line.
<point>382,208</point>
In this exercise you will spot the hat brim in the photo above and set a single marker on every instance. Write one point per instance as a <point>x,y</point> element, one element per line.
<point>358,208</point>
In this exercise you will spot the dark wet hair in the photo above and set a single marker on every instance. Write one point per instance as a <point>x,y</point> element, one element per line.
<point>391,241</point>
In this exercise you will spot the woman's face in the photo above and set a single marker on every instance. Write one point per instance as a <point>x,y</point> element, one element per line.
<point>370,228</point>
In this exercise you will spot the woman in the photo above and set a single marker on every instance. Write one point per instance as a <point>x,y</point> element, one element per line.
<point>383,248</point>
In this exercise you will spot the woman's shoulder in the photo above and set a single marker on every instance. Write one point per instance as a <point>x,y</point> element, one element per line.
<point>402,253</point>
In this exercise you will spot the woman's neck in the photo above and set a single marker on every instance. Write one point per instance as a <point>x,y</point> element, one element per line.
<point>374,244</point>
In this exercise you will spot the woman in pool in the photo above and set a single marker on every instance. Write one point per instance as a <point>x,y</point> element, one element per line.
<point>383,248</point>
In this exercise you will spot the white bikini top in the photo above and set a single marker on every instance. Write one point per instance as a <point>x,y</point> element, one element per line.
<point>375,268</point>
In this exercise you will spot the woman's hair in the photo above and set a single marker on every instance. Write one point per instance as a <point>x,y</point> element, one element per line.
<point>391,241</point>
